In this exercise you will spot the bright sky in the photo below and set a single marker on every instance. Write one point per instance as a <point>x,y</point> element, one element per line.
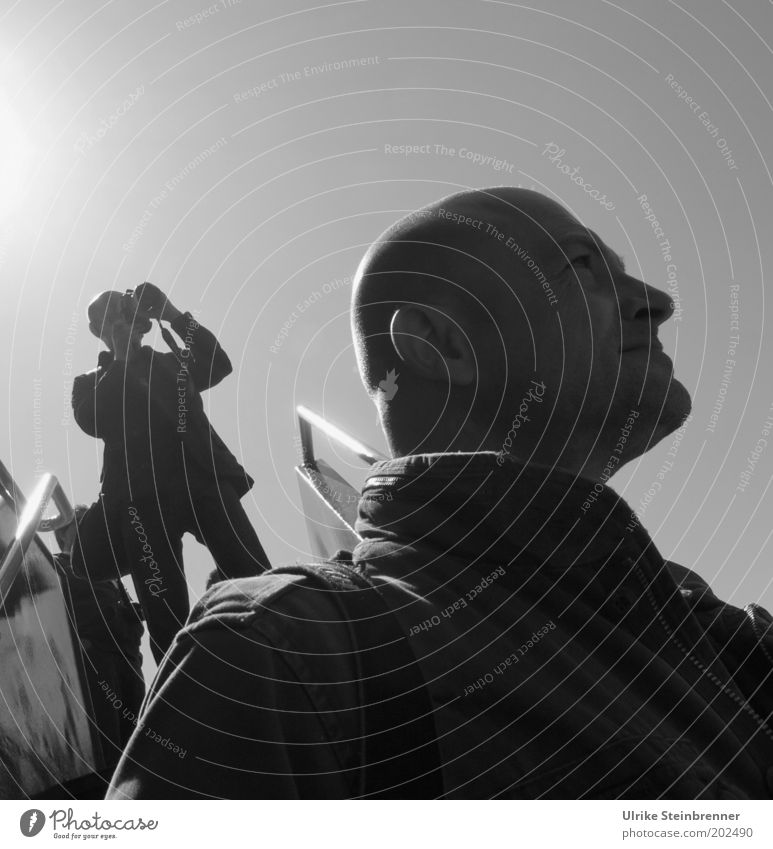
<point>240,156</point>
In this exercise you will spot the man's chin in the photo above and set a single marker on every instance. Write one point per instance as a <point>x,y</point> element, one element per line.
<point>670,413</point>
<point>679,402</point>
<point>661,403</point>
<point>658,377</point>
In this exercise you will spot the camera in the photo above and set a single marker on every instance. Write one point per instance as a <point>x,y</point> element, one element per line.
<point>133,313</point>
<point>129,305</point>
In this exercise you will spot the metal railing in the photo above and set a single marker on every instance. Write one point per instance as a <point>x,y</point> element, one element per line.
<point>10,488</point>
<point>307,419</point>
<point>30,520</point>
<point>329,501</point>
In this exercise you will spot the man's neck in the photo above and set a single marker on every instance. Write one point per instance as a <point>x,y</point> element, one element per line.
<point>127,354</point>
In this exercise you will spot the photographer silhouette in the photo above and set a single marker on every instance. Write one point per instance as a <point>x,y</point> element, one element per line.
<point>165,470</point>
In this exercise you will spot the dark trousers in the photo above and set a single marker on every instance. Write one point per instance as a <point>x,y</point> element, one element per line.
<point>117,689</point>
<point>153,530</point>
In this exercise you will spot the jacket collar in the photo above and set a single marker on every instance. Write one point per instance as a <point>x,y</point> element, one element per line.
<point>104,358</point>
<point>475,506</point>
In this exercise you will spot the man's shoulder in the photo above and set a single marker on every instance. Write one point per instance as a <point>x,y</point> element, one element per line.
<point>690,583</point>
<point>714,613</point>
<point>104,360</point>
<point>88,375</point>
<point>300,594</point>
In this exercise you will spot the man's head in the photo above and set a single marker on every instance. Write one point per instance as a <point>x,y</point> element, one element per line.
<point>106,313</point>
<point>483,296</point>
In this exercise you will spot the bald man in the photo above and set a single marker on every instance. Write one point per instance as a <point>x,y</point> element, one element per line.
<point>516,366</point>
<point>166,472</point>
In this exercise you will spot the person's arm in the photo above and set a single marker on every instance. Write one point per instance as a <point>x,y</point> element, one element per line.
<point>226,717</point>
<point>207,362</point>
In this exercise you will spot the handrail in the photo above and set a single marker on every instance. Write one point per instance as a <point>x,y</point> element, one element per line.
<point>11,487</point>
<point>308,419</point>
<point>65,515</point>
<point>63,518</point>
<point>30,521</point>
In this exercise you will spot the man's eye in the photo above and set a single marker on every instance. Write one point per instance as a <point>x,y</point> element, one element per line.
<point>583,261</point>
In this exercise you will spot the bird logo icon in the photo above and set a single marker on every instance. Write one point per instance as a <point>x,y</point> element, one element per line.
<point>389,385</point>
<point>32,822</point>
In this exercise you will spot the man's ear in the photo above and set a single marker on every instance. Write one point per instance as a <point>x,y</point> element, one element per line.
<point>432,343</point>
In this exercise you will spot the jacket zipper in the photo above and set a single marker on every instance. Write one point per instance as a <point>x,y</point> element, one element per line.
<point>760,632</point>
<point>382,480</point>
<point>737,699</point>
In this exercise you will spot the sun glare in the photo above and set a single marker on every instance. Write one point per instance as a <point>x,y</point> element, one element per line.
<point>15,158</point>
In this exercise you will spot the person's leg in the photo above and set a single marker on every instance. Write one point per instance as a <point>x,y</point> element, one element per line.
<point>104,697</point>
<point>222,525</point>
<point>127,659</point>
<point>117,691</point>
<point>131,685</point>
<point>154,547</point>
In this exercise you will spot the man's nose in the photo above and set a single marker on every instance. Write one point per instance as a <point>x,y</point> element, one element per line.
<point>641,302</point>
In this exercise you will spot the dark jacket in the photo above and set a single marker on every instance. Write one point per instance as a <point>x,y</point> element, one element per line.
<point>563,656</point>
<point>152,420</point>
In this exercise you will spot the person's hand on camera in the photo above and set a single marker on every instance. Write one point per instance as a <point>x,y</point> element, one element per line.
<point>154,303</point>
